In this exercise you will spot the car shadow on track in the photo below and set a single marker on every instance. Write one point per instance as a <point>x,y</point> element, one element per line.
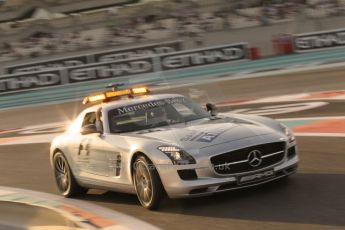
<point>303,198</point>
<point>111,197</point>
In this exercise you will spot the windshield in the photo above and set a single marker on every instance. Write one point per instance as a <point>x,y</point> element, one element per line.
<point>154,114</point>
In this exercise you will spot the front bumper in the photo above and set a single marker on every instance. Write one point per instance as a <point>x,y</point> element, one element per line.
<point>178,188</point>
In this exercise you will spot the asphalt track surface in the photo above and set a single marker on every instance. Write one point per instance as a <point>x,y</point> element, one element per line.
<point>311,199</point>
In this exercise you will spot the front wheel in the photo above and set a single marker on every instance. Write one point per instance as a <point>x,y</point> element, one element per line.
<point>147,183</point>
<point>65,181</point>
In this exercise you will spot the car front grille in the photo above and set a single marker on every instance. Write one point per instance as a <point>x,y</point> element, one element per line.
<point>239,161</point>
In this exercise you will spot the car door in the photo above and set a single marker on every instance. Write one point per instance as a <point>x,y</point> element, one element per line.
<point>90,153</point>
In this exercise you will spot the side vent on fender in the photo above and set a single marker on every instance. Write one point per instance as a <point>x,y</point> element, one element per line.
<point>118,165</point>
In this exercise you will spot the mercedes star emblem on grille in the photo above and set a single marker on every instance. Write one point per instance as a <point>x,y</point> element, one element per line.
<point>254,158</point>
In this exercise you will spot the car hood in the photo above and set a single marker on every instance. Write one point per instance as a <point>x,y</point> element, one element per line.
<point>204,133</point>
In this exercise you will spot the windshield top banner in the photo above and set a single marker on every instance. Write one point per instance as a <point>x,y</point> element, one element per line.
<point>319,40</point>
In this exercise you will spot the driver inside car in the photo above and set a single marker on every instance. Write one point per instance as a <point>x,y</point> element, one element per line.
<point>99,122</point>
<point>156,116</point>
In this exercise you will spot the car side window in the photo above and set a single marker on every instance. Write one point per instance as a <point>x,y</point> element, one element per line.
<point>90,118</point>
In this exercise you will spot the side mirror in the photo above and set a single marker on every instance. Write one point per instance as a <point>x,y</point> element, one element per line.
<point>88,129</point>
<point>212,109</point>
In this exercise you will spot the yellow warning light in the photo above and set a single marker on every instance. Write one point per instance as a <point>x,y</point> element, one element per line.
<point>140,90</point>
<point>94,98</point>
<point>118,93</point>
<point>105,96</point>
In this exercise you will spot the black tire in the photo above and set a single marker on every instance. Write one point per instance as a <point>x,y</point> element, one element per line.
<point>65,181</point>
<point>148,185</point>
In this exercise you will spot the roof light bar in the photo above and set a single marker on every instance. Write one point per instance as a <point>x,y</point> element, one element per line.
<point>105,96</point>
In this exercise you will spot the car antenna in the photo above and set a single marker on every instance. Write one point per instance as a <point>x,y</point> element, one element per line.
<point>114,86</point>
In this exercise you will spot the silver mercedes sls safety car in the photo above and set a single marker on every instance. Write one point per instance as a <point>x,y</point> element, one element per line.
<point>151,145</point>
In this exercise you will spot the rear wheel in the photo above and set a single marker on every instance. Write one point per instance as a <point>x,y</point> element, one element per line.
<point>65,181</point>
<point>147,183</point>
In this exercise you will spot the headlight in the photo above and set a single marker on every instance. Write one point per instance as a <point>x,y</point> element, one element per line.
<point>288,133</point>
<point>177,155</point>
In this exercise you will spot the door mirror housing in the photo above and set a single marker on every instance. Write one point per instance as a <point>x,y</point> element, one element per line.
<point>212,109</point>
<point>88,129</point>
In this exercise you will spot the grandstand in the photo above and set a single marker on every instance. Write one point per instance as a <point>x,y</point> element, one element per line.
<point>14,10</point>
<point>46,28</point>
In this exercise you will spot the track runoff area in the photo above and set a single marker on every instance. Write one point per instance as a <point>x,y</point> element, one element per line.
<point>312,103</point>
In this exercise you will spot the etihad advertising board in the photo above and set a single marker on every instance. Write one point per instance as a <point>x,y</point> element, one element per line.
<point>77,74</point>
<point>201,57</point>
<point>104,56</point>
<point>319,40</point>
<point>124,68</point>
